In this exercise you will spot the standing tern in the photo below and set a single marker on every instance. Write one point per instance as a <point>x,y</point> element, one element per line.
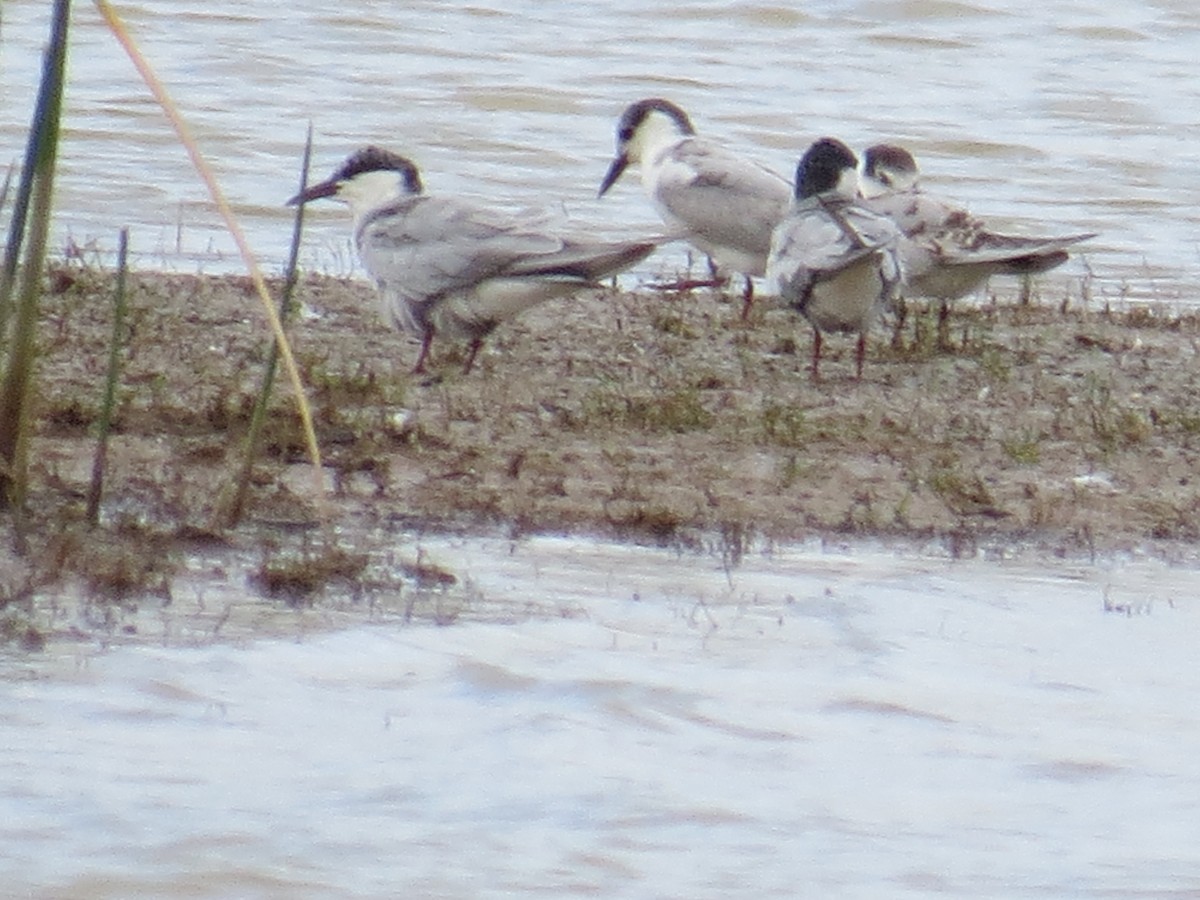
<point>719,202</point>
<point>451,267</point>
<point>947,252</point>
<point>832,259</point>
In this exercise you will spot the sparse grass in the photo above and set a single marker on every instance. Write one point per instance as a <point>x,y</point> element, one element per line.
<point>669,321</point>
<point>359,384</point>
<point>637,522</point>
<point>575,425</point>
<point>996,365</point>
<point>963,492</point>
<point>792,470</point>
<point>1182,418</point>
<point>1114,425</point>
<point>1023,448</point>
<point>298,578</point>
<point>783,425</point>
<point>670,411</point>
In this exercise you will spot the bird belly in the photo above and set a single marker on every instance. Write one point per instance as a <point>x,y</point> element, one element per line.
<point>476,311</point>
<point>847,301</point>
<point>719,232</point>
<point>738,259</point>
<point>947,281</point>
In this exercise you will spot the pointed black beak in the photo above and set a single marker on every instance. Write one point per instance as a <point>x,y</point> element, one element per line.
<point>316,192</point>
<point>613,173</point>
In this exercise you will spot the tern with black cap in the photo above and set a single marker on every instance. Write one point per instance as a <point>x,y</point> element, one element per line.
<point>452,267</point>
<point>723,204</point>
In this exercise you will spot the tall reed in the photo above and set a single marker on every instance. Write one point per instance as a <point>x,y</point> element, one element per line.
<point>104,426</point>
<point>231,512</point>
<point>37,184</point>
<point>4,188</point>
<point>117,26</point>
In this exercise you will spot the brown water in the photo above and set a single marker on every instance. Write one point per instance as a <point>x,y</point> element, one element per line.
<point>1059,116</point>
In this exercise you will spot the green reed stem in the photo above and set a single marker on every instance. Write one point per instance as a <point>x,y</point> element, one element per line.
<point>104,425</point>
<point>232,513</point>
<point>8,271</point>
<point>20,215</point>
<point>4,188</point>
<point>14,392</point>
<point>121,33</point>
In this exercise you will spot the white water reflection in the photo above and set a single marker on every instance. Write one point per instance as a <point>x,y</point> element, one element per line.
<point>811,724</point>
<point>1059,116</point>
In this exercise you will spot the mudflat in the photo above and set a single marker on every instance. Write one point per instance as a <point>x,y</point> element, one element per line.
<point>1055,424</point>
<point>642,414</point>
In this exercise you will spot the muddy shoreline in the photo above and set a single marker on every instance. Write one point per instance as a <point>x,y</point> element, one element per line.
<point>1056,426</point>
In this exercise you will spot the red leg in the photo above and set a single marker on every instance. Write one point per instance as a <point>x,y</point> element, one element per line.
<point>687,284</point>
<point>943,326</point>
<point>471,354</point>
<point>426,340</point>
<point>860,354</point>
<point>747,298</point>
<point>816,355</point>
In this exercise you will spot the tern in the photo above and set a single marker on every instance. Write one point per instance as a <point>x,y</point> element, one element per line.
<point>721,203</point>
<point>947,253</point>
<point>451,267</point>
<point>832,259</point>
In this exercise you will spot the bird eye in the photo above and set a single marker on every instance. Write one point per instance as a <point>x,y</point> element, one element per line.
<point>625,134</point>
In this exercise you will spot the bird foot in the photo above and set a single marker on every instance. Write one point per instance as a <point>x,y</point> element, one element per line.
<point>686,284</point>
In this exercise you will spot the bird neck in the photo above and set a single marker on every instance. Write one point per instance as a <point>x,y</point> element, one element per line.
<point>370,191</point>
<point>896,183</point>
<point>657,133</point>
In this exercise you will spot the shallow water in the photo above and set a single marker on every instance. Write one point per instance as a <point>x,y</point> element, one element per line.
<point>1054,117</point>
<point>817,722</point>
<point>810,724</point>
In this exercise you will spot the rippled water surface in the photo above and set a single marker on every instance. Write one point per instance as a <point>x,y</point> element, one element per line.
<point>810,724</point>
<point>1054,116</point>
<point>814,723</point>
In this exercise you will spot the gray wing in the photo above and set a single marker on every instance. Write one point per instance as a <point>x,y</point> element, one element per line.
<point>1011,254</point>
<point>446,263</point>
<point>722,197</point>
<point>818,240</point>
<point>955,237</point>
<point>923,217</point>
<point>425,247</point>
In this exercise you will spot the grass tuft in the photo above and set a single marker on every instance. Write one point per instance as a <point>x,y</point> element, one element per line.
<point>672,411</point>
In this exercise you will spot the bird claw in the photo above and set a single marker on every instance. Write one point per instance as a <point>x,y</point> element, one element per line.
<point>684,285</point>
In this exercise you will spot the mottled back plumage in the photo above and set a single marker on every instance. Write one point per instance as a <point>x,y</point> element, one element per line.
<point>947,252</point>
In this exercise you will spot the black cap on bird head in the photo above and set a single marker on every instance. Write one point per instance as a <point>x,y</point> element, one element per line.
<point>883,161</point>
<point>635,114</point>
<point>368,159</point>
<point>821,167</point>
